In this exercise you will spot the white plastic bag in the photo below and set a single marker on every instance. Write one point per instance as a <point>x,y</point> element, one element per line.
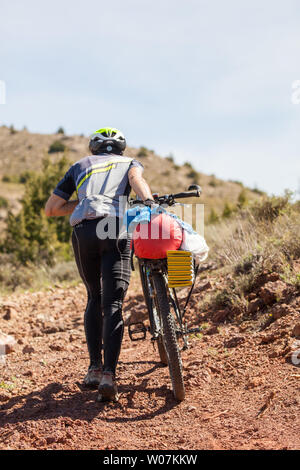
<point>196,244</point>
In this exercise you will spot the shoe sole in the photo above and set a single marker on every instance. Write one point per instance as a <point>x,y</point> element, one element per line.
<point>107,393</point>
<point>91,385</point>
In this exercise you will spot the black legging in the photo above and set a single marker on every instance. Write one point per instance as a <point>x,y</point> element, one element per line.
<point>104,266</point>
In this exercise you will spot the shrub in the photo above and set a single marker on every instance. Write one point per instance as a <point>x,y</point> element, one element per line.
<point>60,130</point>
<point>31,236</point>
<point>193,174</point>
<point>24,176</point>
<point>10,179</point>
<point>242,199</point>
<point>213,217</point>
<point>213,182</point>
<point>258,191</point>
<point>57,146</point>
<point>3,202</point>
<point>236,182</point>
<point>228,210</point>
<point>272,207</point>
<point>170,158</point>
<point>143,152</point>
<point>6,178</point>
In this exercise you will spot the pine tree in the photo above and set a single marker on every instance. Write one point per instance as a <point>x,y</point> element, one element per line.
<point>30,235</point>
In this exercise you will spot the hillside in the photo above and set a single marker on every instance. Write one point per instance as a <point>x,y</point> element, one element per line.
<point>21,151</point>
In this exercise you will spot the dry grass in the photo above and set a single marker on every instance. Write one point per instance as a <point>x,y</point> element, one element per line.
<point>16,277</point>
<point>248,245</point>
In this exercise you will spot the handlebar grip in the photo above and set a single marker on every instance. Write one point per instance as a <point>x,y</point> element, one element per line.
<point>186,194</point>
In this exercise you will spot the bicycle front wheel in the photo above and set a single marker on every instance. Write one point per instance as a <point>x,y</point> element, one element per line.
<point>169,336</point>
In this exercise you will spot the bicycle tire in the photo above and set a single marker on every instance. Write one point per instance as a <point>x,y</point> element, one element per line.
<point>149,304</point>
<point>169,337</point>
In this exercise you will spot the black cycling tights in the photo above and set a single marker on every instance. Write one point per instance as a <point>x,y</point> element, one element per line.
<point>104,266</point>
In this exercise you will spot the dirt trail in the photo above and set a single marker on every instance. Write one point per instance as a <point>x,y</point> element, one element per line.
<point>242,391</point>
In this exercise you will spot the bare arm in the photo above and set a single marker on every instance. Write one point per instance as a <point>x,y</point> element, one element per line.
<point>57,206</point>
<point>138,184</point>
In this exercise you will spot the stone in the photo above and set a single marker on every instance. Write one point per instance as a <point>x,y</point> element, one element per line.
<point>234,341</point>
<point>296,330</point>
<point>272,292</point>
<point>28,349</point>
<point>254,305</point>
<point>9,310</point>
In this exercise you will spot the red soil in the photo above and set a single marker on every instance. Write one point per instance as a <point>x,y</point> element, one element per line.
<point>242,388</point>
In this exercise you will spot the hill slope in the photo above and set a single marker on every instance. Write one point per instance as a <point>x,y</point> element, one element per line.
<point>21,151</point>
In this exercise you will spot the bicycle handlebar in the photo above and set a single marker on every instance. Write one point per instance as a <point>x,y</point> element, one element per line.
<point>170,199</point>
<point>186,194</point>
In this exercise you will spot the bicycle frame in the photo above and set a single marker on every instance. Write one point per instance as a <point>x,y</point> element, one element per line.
<point>160,265</point>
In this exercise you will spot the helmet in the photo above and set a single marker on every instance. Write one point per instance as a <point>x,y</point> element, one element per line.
<point>107,140</point>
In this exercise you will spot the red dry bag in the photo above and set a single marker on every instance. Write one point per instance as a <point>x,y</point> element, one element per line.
<point>154,239</point>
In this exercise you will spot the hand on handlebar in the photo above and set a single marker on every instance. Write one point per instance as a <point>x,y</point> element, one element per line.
<point>149,202</point>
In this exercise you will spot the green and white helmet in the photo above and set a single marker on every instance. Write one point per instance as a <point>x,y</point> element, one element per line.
<point>107,140</point>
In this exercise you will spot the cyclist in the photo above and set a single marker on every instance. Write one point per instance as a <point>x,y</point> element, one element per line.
<point>102,181</point>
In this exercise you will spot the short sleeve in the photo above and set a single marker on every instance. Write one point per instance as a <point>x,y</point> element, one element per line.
<point>137,164</point>
<point>66,186</point>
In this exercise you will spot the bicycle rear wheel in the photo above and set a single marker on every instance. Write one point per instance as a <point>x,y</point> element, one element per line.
<point>169,336</point>
<point>153,316</point>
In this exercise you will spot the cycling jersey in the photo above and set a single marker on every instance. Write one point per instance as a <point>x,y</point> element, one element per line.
<point>101,183</point>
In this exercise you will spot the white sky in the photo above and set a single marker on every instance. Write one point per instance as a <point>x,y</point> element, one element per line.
<point>208,80</point>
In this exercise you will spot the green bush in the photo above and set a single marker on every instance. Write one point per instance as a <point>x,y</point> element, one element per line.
<point>143,152</point>
<point>25,176</point>
<point>272,207</point>
<point>3,202</point>
<point>213,182</point>
<point>57,146</point>
<point>60,130</point>
<point>7,179</point>
<point>236,182</point>
<point>242,199</point>
<point>194,175</point>
<point>31,236</point>
<point>258,191</point>
<point>10,178</point>
<point>213,217</point>
<point>228,210</point>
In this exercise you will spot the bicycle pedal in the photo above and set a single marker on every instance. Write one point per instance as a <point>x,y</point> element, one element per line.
<point>137,331</point>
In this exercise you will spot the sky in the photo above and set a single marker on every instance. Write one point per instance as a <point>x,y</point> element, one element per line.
<point>206,80</point>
